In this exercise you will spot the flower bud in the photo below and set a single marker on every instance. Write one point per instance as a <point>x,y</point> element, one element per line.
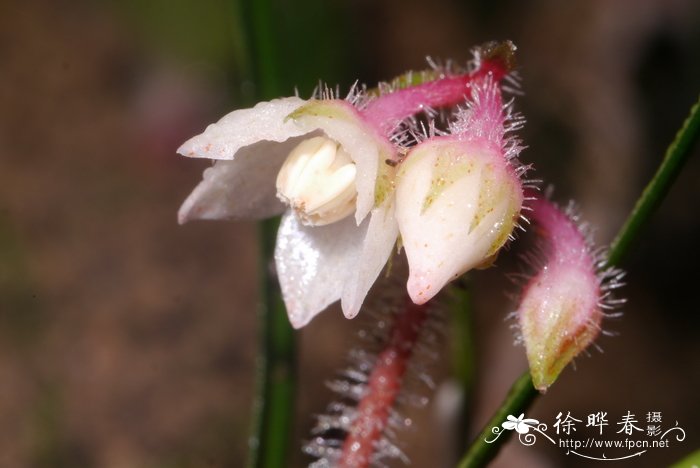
<point>457,203</point>
<point>318,181</point>
<point>458,197</point>
<point>560,308</point>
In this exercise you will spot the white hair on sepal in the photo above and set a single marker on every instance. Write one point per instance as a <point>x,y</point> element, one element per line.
<point>359,96</point>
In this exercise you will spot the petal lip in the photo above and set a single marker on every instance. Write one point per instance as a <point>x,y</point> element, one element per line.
<point>244,127</point>
<point>243,188</point>
<point>315,263</point>
<point>377,246</point>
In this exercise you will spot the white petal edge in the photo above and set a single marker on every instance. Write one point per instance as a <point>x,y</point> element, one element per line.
<point>241,188</point>
<point>245,127</point>
<point>315,263</point>
<point>377,247</point>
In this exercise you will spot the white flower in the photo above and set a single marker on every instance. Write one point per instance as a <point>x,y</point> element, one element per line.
<point>324,161</point>
<point>321,161</point>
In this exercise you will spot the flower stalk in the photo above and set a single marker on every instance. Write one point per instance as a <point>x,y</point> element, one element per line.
<point>654,193</point>
<point>493,59</point>
<point>384,385</point>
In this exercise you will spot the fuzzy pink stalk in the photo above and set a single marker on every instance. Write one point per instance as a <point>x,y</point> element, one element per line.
<point>484,123</point>
<point>384,113</point>
<point>567,246</point>
<point>560,309</point>
<point>383,387</point>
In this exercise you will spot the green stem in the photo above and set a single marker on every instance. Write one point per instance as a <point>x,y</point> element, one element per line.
<point>689,461</point>
<point>522,394</point>
<point>652,196</point>
<point>462,344</point>
<point>276,367</point>
<point>276,370</point>
<point>264,47</point>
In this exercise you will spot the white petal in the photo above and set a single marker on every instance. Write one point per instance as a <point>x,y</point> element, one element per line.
<point>340,121</point>
<point>241,188</point>
<point>314,263</point>
<point>376,249</point>
<point>245,127</point>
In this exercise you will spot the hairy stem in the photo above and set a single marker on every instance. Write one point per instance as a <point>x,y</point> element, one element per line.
<point>383,387</point>
<point>416,92</point>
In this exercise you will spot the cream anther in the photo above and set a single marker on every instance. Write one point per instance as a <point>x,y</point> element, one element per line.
<point>318,181</point>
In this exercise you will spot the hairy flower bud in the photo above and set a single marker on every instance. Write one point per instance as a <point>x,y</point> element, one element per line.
<point>458,197</point>
<point>561,307</point>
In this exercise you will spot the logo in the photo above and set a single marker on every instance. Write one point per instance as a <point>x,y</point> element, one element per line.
<point>598,439</point>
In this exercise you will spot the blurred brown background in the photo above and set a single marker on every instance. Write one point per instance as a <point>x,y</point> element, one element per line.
<point>128,341</point>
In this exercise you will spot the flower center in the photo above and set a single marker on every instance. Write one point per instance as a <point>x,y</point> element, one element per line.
<point>318,181</point>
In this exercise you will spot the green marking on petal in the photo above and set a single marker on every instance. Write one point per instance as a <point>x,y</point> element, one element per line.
<point>409,79</point>
<point>386,176</point>
<point>448,167</point>
<point>326,108</point>
<point>509,220</point>
<point>488,199</point>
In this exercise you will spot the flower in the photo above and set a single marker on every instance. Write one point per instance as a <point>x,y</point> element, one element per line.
<point>458,196</point>
<point>318,162</point>
<point>561,306</point>
<point>326,159</point>
<point>521,425</point>
<point>290,152</point>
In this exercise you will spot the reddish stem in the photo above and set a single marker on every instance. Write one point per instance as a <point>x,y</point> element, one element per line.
<point>566,242</point>
<point>383,387</point>
<point>385,112</point>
